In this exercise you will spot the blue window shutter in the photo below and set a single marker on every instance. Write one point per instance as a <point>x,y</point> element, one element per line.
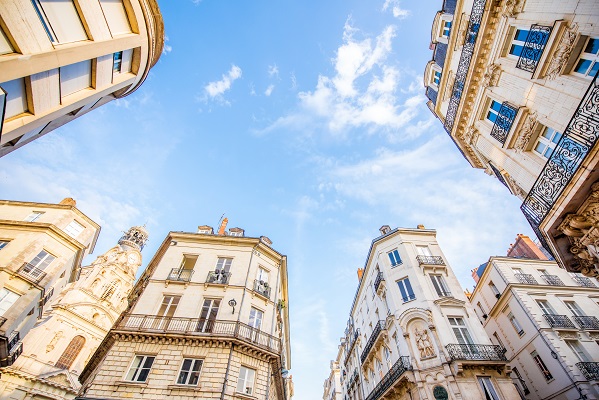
<point>402,290</point>
<point>409,288</point>
<point>397,257</point>
<point>391,258</point>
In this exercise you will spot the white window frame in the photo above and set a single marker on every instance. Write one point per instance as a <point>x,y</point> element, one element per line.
<point>16,98</point>
<point>516,42</point>
<point>56,16</point>
<point>134,371</point>
<point>223,264</point>
<point>246,380</point>
<point>445,31</point>
<point>491,110</point>
<point>515,324</point>
<point>262,274</point>
<point>460,330</point>
<point>545,307</point>
<point>44,260</point>
<point>401,283</point>
<point>256,317</point>
<point>74,229</point>
<point>3,243</point>
<point>488,388</point>
<point>440,285</point>
<point>542,366</point>
<point>548,143</point>
<point>423,250</point>
<point>574,308</point>
<point>578,350</point>
<point>34,216</point>
<point>7,299</point>
<point>593,58</point>
<point>121,64</point>
<point>191,374</point>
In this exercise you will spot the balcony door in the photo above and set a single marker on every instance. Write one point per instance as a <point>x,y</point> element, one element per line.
<point>223,266</point>
<point>460,331</point>
<point>208,315</point>
<point>36,266</point>
<point>424,251</point>
<point>166,311</point>
<point>255,323</point>
<point>574,308</point>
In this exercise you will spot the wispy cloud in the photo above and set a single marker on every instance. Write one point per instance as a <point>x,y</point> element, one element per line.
<point>273,71</point>
<point>394,6</point>
<point>269,90</point>
<point>293,81</point>
<point>167,48</point>
<point>216,89</point>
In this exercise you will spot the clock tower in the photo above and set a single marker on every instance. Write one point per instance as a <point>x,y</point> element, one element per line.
<point>74,325</point>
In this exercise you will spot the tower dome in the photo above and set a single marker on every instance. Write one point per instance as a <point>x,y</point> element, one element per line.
<point>135,238</point>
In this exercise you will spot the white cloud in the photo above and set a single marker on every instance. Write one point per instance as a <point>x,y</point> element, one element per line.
<point>396,9</point>
<point>293,80</point>
<point>217,88</point>
<point>167,48</point>
<point>273,71</point>
<point>269,90</point>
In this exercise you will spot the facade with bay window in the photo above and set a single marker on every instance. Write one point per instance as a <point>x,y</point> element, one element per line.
<point>411,333</point>
<point>546,320</point>
<point>513,83</point>
<point>61,59</point>
<point>207,319</point>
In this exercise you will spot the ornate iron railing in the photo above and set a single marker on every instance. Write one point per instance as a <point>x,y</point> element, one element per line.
<point>378,328</point>
<point>180,275</point>
<point>200,327</point>
<point>476,16</point>
<point>526,278</point>
<point>553,280</point>
<point>352,343</point>
<point>218,277</point>
<point>537,38</point>
<point>430,260</point>
<point>402,365</point>
<point>578,139</point>
<point>31,272</point>
<point>377,282</point>
<point>503,122</point>
<point>559,321</point>
<point>584,281</point>
<point>476,352</point>
<point>590,370</point>
<point>262,288</point>
<point>587,322</point>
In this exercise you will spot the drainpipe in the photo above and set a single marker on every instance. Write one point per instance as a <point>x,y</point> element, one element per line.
<point>222,394</point>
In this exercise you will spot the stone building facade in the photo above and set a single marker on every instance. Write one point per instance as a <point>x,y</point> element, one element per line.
<point>546,319</point>
<point>514,84</point>
<point>74,324</point>
<point>41,250</point>
<point>207,319</point>
<point>332,389</point>
<point>61,59</point>
<point>412,334</point>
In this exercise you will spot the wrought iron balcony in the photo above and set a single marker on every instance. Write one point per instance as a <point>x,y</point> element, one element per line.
<point>218,277</point>
<point>262,288</point>
<point>553,280</point>
<point>590,370</point>
<point>526,278</point>
<point>587,323</point>
<point>579,137</point>
<point>199,327</point>
<point>503,122</point>
<point>430,260</point>
<point>378,328</point>
<point>377,282</point>
<point>31,273</point>
<point>537,38</point>
<point>352,343</point>
<point>476,352</point>
<point>584,281</point>
<point>402,365</point>
<point>476,16</point>
<point>559,321</point>
<point>180,275</point>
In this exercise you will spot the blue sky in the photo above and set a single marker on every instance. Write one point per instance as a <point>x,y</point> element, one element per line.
<point>303,121</point>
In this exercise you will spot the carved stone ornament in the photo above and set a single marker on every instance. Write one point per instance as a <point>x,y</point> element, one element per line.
<point>562,52</point>
<point>514,187</point>
<point>54,340</point>
<point>423,343</point>
<point>491,76</point>
<point>512,7</point>
<point>528,128</point>
<point>449,86</point>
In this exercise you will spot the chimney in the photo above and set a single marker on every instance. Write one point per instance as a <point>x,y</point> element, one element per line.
<point>223,226</point>
<point>68,201</point>
<point>385,229</point>
<point>360,273</point>
<point>420,226</point>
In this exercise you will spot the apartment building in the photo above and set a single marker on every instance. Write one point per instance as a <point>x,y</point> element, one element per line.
<point>514,84</point>
<point>41,249</point>
<point>208,318</point>
<point>332,389</point>
<point>412,333</point>
<point>61,59</point>
<point>546,320</point>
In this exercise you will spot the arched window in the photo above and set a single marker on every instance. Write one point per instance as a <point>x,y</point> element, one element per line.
<point>70,353</point>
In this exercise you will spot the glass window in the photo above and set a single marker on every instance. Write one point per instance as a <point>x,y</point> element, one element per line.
<point>519,41</point>
<point>190,372</point>
<point>440,286</point>
<point>407,293</point>
<point>493,111</point>
<point>70,353</point>
<point>574,308</point>
<point>208,315</point>
<point>140,369</point>
<point>515,324</point>
<point>7,299</point>
<point>33,216</point>
<point>116,16</point>
<point>394,258</point>
<point>577,348</point>
<point>445,29</point>
<point>424,251</point>
<point>436,78</point>
<point>168,306</point>
<point>488,389</point>
<point>588,62</point>
<point>60,20</point>
<point>75,77</point>
<point>245,383</point>
<point>546,142</point>
<point>262,275</point>
<point>256,318</point>
<point>541,366</point>
<point>224,264</point>
<point>460,330</point>
<point>121,63</point>
<point>16,98</point>
<point>42,260</point>
<point>545,307</point>
<point>3,244</point>
<point>74,229</point>
<point>494,289</point>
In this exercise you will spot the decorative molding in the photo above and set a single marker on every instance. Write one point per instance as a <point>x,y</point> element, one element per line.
<point>514,187</point>
<point>491,76</point>
<point>562,52</point>
<point>511,8</point>
<point>525,133</point>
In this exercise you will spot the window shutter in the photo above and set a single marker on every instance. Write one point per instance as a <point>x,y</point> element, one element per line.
<point>116,16</point>
<point>64,20</point>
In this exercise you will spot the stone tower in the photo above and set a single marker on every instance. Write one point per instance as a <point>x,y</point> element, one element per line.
<point>67,335</point>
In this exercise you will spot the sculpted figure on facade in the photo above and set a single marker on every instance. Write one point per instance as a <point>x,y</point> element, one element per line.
<point>423,343</point>
<point>562,53</point>
<point>512,7</point>
<point>491,76</point>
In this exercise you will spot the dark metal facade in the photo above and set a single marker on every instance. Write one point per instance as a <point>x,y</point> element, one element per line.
<point>537,38</point>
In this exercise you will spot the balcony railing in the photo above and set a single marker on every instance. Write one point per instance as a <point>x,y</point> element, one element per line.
<point>476,16</point>
<point>553,280</point>
<point>200,327</point>
<point>476,352</point>
<point>533,47</point>
<point>430,260</point>
<point>503,122</point>
<point>262,288</point>
<point>570,152</point>
<point>559,321</point>
<point>218,277</point>
<point>590,370</point>
<point>14,340</point>
<point>402,365</point>
<point>526,278</point>
<point>377,282</point>
<point>180,275</point>
<point>31,272</point>
<point>352,343</point>
<point>584,281</point>
<point>587,323</point>
<point>378,328</point>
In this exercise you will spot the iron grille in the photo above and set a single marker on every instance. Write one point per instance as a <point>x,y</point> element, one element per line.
<point>180,274</point>
<point>526,278</point>
<point>586,322</point>
<point>262,288</point>
<point>377,282</point>
<point>503,122</point>
<point>476,352</point>
<point>402,365</point>
<point>559,321</point>
<point>537,38</point>
<point>584,281</point>
<point>590,370</point>
<point>352,343</point>
<point>378,328</point>
<point>31,273</point>
<point>476,16</point>
<point>580,136</point>
<point>553,280</point>
<point>218,277</point>
<point>430,260</point>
